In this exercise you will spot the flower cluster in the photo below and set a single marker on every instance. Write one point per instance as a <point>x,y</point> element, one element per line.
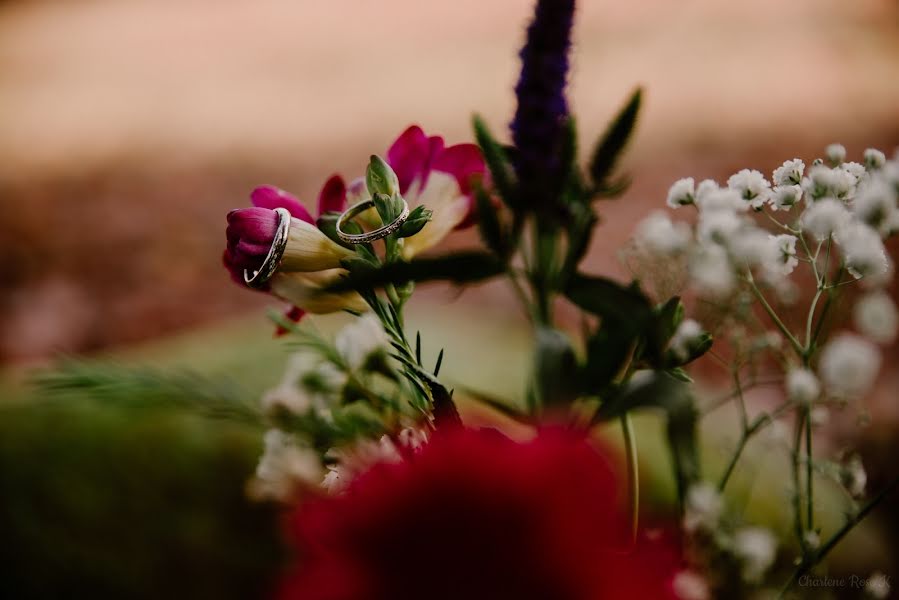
<point>436,178</point>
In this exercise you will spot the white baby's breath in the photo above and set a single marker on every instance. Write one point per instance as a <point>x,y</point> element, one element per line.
<point>784,254</point>
<point>802,386</point>
<point>756,548</point>
<point>855,478</point>
<point>681,193</point>
<point>823,181</point>
<point>789,173</point>
<point>658,234</point>
<point>284,467</point>
<point>720,199</point>
<point>874,158</point>
<point>359,340</point>
<point>711,272</point>
<point>690,585</point>
<point>849,365</point>
<point>835,153</point>
<point>686,335</point>
<point>785,197</point>
<point>878,586</point>
<point>703,508</point>
<point>824,218</point>
<point>863,250</point>
<point>752,187</point>
<point>876,317</point>
<point>875,205</point>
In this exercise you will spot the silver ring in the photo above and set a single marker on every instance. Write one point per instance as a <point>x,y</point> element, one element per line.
<point>381,232</point>
<point>275,253</point>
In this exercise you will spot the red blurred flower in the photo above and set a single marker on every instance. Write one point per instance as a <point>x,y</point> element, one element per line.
<point>477,516</point>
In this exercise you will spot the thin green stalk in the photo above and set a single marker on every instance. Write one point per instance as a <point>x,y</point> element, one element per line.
<point>811,561</point>
<point>633,477</point>
<point>777,322</point>
<point>809,469</point>
<point>798,527</point>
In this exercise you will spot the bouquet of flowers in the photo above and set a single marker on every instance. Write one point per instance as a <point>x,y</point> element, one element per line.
<point>390,494</point>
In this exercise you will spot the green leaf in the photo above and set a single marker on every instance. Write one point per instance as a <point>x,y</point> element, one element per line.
<point>665,321</point>
<point>610,300</point>
<point>488,223</point>
<point>557,370</point>
<point>695,349</point>
<point>497,161</point>
<point>608,351</point>
<point>462,267</point>
<point>580,231</point>
<point>385,207</point>
<point>614,140</point>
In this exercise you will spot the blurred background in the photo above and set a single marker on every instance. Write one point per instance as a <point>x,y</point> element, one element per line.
<point>128,128</point>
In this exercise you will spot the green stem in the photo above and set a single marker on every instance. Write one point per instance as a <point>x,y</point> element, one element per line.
<point>633,483</point>
<point>798,527</point>
<point>811,561</point>
<point>777,322</point>
<point>809,469</point>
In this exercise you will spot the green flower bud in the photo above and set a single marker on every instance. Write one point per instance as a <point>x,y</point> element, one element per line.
<point>380,178</point>
<point>418,218</point>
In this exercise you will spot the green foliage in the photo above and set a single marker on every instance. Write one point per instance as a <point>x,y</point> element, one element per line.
<point>613,142</point>
<point>103,502</point>
<point>556,368</point>
<point>497,162</point>
<point>418,218</point>
<point>462,267</point>
<point>138,386</point>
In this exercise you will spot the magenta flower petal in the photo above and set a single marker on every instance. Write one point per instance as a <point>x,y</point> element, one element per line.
<point>271,197</point>
<point>409,156</point>
<point>332,198</point>
<point>249,235</point>
<point>462,161</point>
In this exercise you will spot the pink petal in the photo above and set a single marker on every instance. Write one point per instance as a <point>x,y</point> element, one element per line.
<point>409,155</point>
<point>332,198</point>
<point>462,161</point>
<point>295,314</point>
<point>253,224</point>
<point>271,197</point>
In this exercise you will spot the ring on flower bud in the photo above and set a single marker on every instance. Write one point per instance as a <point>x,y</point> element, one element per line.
<point>381,232</point>
<point>275,253</point>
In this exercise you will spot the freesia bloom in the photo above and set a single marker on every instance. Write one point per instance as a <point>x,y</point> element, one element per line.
<point>475,515</point>
<point>311,260</point>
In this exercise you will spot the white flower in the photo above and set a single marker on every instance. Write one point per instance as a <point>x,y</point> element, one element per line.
<point>308,381</point>
<point>875,204</point>
<point>835,153</point>
<point>863,250</point>
<point>812,540</point>
<point>802,386</point>
<point>874,158</point>
<point>689,585</point>
<point>658,234</point>
<point>686,335</point>
<point>718,225</point>
<point>849,365</point>
<point>752,186</point>
<point>751,246</point>
<point>681,193</point>
<point>856,170</point>
<point>284,467</point>
<point>785,250</point>
<point>878,586</point>
<point>352,460</point>
<point>855,479</point>
<point>789,173</point>
<point>711,272</point>
<point>703,508</point>
<point>719,199</point>
<point>704,188</point>
<point>823,181</point>
<point>876,317</point>
<point>786,196</point>
<point>360,339</point>
<point>824,218</point>
<point>819,416</point>
<point>756,548</point>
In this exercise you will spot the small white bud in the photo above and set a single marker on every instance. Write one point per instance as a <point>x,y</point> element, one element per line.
<point>681,193</point>
<point>874,159</point>
<point>802,386</point>
<point>876,317</point>
<point>849,365</point>
<point>835,153</point>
